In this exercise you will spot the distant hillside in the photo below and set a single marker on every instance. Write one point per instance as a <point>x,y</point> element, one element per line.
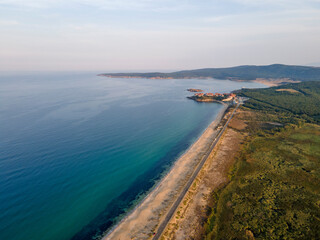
<point>275,71</point>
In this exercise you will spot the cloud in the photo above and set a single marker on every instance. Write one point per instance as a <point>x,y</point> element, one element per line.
<point>156,5</point>
<point>8,22</point>
<point>276,2</point>
<point>165,5</point>
<point>139,34</point>
<point>28,4</point>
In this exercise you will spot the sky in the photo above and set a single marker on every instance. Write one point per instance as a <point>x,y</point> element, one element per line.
<point>150,35</point>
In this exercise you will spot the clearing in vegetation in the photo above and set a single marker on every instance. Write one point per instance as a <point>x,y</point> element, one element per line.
<point>287,90</point>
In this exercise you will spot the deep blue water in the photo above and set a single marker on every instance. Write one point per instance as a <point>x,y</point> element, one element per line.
<point>76,150</point>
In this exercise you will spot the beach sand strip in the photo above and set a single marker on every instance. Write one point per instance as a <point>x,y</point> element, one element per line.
<point>189,219</point>
<point>143,221</point>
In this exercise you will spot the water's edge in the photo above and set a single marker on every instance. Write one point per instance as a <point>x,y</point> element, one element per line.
<point>124,205</point>
<point>212,124</point>
<point>80,153</point>
<point>157,182</point>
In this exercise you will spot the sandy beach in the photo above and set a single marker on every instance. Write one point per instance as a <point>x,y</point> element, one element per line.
<point>189,220</point>
<point>144,220</point>
<point>274,82</point>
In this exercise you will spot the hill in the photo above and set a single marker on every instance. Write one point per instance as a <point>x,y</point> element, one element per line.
<point>275,71</point>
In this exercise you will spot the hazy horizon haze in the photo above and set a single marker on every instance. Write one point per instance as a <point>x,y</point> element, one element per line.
<point>156,35</point>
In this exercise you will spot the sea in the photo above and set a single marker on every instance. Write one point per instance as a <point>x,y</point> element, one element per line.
<point>79,151</point>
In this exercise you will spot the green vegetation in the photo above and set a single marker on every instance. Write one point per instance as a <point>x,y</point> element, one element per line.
<point>304,103</point>
<point>275,71</point>
<point>210,98</point>
<point>274,192</point>
<point>274,188</point>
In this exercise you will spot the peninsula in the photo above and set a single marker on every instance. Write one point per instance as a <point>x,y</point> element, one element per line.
<point>214,97</point>
<point>274,74</point>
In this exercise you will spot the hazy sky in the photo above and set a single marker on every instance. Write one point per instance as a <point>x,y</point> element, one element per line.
<point>156,34</point>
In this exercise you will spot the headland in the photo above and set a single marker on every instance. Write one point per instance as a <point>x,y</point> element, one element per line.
<point>214,97</point>
<point>274,74</point>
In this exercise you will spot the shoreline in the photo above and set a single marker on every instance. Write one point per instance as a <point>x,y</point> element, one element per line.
<point>143,220</point>
<point>270,82</point>
<point>274,82</point>
<point>190,218</point>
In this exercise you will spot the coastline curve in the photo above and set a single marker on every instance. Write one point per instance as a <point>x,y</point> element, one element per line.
<point>145,218</point>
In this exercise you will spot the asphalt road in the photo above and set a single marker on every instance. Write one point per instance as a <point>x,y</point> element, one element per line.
<point>190,181</point>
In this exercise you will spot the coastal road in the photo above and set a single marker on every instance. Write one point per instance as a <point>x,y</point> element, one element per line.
<point>190,181</point>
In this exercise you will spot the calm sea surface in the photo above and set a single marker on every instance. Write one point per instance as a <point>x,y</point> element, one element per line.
<point>77,151</point>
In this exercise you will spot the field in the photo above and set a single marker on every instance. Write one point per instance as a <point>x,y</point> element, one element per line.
<point>274,192</point>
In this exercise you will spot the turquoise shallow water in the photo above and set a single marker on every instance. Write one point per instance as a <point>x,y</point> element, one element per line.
<point>76,150</point>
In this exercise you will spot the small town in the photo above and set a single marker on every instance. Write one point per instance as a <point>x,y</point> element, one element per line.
<point>209,97</point>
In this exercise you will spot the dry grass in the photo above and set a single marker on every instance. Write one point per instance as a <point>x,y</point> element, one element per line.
<point>287,90</point>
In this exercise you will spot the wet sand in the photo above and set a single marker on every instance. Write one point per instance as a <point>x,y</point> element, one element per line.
<point>189,220</point>
<point>143,221</point>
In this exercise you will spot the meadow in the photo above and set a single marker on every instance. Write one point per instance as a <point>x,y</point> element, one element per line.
<point>273,191</point>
